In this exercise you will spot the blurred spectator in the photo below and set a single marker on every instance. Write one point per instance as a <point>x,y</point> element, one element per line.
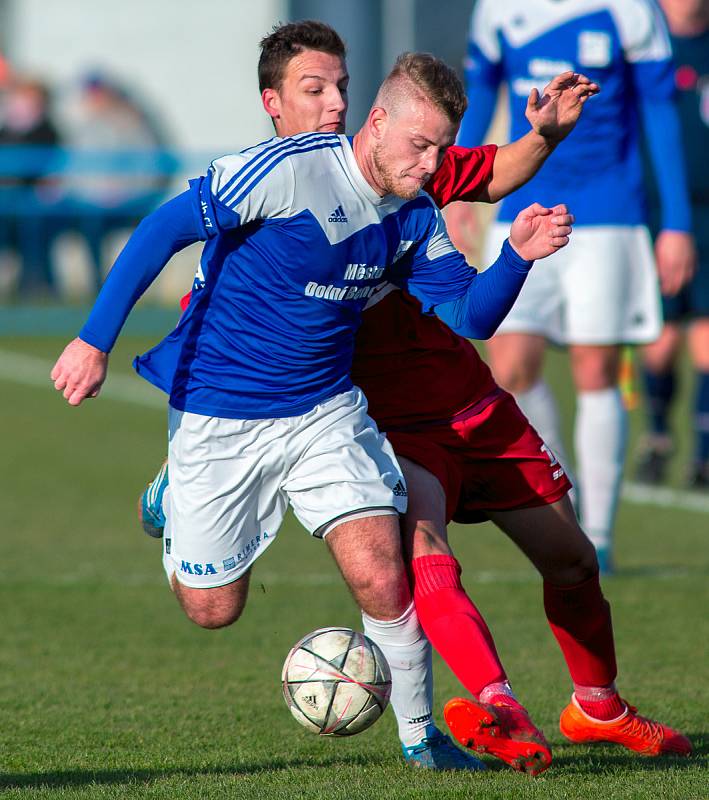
<point>117,171</point>
<point>28,136</point>
<point>689,28</point>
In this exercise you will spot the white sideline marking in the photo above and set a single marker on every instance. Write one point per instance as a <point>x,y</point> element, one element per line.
<point>33,371</point>
<point>665,497</point>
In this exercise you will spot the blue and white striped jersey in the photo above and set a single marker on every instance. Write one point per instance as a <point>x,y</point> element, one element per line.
<point>297,244</point>
<point>621,44</point>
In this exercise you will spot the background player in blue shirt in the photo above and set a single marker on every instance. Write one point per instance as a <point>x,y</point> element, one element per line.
<point>262,410</point>
<point>602,291</point>
<point>689,28</point>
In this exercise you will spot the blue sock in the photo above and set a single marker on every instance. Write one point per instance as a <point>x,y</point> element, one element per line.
<point>659,392</point>
<point>701,418</point>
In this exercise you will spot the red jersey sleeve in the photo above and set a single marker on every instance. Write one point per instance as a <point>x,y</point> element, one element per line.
<point>464,173</point>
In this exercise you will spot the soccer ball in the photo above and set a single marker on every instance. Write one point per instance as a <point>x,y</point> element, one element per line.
<point>336,682</point>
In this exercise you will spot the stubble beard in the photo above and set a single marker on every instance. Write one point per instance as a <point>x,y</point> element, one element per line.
<point>387,180</point>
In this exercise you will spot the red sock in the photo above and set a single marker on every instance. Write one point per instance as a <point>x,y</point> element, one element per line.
<point>600,702</point>
<point>452,623</point>
<point>580,618</point>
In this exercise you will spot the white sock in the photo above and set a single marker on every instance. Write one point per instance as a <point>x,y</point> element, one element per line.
<point>408,652</point>
<point>539,406</point>
<point>600,438</point>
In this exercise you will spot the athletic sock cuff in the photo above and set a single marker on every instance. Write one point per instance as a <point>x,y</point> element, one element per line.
<point>432,573</point>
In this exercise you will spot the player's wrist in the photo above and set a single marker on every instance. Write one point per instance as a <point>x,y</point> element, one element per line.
<point>514,256</point>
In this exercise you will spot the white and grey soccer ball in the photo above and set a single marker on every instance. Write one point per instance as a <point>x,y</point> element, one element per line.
<point>336,682</point>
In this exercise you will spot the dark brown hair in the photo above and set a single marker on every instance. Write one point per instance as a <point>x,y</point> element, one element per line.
<point>289,40</point>
<point>438,82</point>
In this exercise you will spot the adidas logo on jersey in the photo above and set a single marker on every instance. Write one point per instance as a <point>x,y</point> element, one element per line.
<point>400,490</point>
<point>338,215</point>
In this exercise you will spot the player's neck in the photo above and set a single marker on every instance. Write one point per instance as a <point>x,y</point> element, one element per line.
<point>361,147</point>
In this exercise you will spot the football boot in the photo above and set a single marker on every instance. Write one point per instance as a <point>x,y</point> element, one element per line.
<point>643,735</point>
<point>503,730</point>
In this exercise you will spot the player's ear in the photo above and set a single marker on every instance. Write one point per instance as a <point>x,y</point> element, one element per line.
<point>377,122</point>
<point>271,102</point>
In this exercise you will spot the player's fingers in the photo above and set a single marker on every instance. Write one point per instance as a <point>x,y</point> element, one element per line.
<point>561,231</point>
<point>560,208</point>
<point>75,398</point>
<point>559,241</point>
<point>563,219</point>
<point>538,210</point>
<point>533,98</point>
<point>563,79</point>
<point>60,381</point>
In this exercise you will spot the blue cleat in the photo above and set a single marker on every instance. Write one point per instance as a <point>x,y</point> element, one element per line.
<point>150,510</point>
<point>436,751</point>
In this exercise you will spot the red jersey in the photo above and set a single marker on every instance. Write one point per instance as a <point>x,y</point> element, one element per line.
<point>412,368</point>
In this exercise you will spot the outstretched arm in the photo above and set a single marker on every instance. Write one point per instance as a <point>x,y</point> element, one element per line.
<point>81,369</point>
<point>552,115</point>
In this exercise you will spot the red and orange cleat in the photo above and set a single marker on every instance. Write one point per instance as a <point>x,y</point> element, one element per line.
<point>502,730</point>
<point>645,736</point>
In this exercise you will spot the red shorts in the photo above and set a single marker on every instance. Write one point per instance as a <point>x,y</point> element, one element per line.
<point>486,460</point>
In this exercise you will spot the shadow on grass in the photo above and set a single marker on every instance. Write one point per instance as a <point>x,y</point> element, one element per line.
<point>605,758</point>
<point>86,777</point>
<point>600,760</point>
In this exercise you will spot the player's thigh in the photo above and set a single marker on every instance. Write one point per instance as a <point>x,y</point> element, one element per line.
<point>424,524</point>
<point>344,467</point>
<point>224,504</point>
<point>516,359</point>
<point>369,555</point>
<point>610,287</point>
<point>552,539</point>
<point>594,366</point>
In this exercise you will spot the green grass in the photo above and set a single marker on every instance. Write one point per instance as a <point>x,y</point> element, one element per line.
<point>106,690</point>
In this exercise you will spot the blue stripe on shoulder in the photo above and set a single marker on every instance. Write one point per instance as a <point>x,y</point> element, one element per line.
<point>278,158</point>
<point>245,172</point>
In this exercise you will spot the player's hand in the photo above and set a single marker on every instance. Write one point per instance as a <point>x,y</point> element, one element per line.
<point>554,113</point>
<point>537,232</point>
<point>80,371</point>
<point>463,228</point>
<point>676,257</point>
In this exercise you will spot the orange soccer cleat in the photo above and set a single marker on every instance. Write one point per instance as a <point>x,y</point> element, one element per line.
<point>500,729</point>
<point>645,736</point>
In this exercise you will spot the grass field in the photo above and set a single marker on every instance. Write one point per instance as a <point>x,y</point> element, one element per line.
<point>106,690</point>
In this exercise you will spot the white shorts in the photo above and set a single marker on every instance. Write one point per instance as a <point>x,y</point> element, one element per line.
<point>231,481</point>
<point>602,288</point>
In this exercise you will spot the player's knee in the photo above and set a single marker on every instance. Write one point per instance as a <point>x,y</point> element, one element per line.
<point>210,608</point>
<point>211,618</point>
<point>579,565</point>
<point>515,378</point>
